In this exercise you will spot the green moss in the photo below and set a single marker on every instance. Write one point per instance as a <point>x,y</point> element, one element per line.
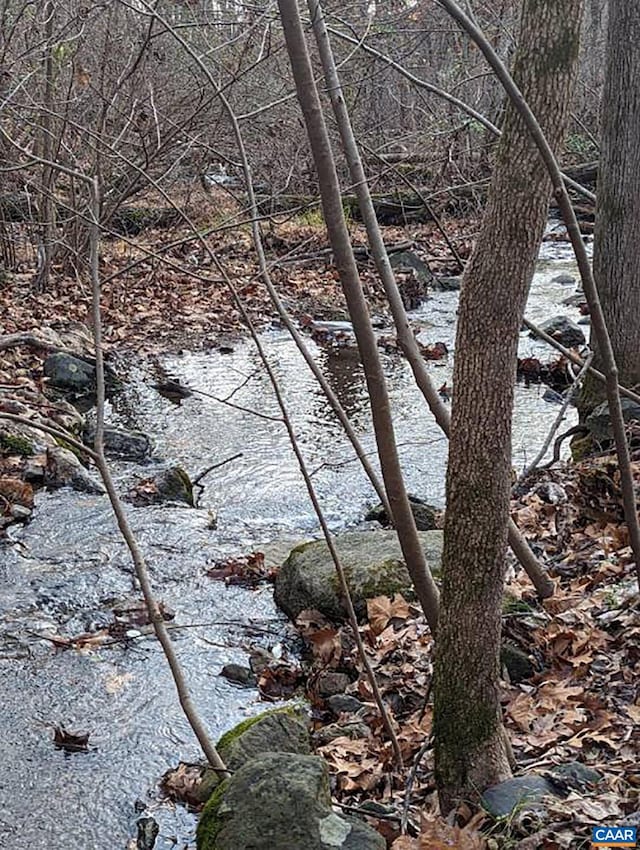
<point>241,728</point>
<point>210,824</point>
<point>188,485</point>
<point>511,605</point>
<point>581,447</point>
<point>71,448</point>
<point>15,444</point>
<point>301,548</point>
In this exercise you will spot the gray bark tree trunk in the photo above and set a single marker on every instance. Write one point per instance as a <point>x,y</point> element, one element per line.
<point>470,744</point>
<point>616,257</point>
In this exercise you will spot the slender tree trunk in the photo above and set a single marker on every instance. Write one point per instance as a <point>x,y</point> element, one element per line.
<point>470,744</point>
<point>406,338</point>
<point>46,206</point>
<point>404,522</point>
<point>616,256</point>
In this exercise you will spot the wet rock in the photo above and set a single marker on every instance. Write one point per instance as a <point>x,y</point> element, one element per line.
<point>71,374</point>
<point>575,300</point>
<point>118,443</point>
<point>504,798</point>
<point>564,279</point>
<point>373,565</point>
<point>331,682</point>
<point>599,422</point>
<point>63,469</point>
<point>344,704</point>
<point>446,283</point>
<point>425,515</point>
<point>148,830</point>
<point>564,331</point>
<point>585,321</point>
<point>518,665</point>
<point>239,675</point>
<point>408,261</point>
<point>280,801</point>
<point>20,513</point>
<point>354,729</point>
<point>174,485</point>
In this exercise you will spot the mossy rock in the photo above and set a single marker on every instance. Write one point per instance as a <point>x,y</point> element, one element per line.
<point>280,801</point>
<point>278,731</point>
<point>581,447</point>
<point>174,485</point>
<point>373,565</point>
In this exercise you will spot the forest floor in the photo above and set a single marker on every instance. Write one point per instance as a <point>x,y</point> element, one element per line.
<point>162,290</point>
<point>579,702</point>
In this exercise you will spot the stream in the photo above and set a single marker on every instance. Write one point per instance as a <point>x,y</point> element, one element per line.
<point>64,571</point>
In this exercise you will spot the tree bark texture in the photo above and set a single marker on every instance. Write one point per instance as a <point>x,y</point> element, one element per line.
<point>470,744</point>
<point>616,256</point>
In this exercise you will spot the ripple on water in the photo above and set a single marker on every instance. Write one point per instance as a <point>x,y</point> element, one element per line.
<point>71,564</point>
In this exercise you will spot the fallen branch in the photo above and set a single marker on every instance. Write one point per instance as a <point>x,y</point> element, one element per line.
<point>196,481</point>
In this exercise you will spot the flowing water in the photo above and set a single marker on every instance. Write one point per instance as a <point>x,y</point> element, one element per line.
<point>64,571</point>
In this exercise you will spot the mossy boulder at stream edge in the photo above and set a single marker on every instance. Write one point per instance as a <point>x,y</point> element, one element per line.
<point>373,565</point>
<point>280,801</point>
<point>283,730</point>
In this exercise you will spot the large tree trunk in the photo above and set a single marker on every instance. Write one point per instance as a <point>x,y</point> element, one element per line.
<point>470,744</point>
<point>616,258</point>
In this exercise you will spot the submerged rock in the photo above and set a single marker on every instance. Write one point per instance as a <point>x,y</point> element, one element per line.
<point>65,470</point>
<point>174,485</point>
<point>280,801</point>
<point>373,565</point>
<point>447,283</point>
<point>564,279</point>
<point>564,331</point>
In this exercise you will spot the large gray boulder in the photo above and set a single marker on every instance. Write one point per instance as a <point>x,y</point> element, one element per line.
<point>599,421</point>
<point>280,801</point>
<point>373,565</point>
